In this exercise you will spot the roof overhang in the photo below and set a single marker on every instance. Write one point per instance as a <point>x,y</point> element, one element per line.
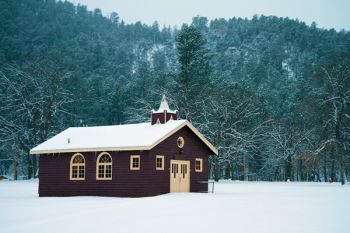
<point>137,148</point>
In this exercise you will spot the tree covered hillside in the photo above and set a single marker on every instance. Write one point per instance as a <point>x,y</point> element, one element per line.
<point>273,94</point>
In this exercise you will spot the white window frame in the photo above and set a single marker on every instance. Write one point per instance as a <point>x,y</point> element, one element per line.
<point>160,157</point>
<point>78,166</point>
<point>131,162</point>
<point>105,165</point>
<point>180,142</point>
<point>201,165</point>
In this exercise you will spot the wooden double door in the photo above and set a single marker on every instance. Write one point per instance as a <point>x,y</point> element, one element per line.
<point>179,176</point>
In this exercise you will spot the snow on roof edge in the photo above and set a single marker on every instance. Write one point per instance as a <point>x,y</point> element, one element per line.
<point>168,133</point>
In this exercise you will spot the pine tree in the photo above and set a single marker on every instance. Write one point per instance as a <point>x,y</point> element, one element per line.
<point>195,71</point>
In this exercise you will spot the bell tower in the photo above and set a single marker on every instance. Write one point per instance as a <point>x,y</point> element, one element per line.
<point>163,114</point>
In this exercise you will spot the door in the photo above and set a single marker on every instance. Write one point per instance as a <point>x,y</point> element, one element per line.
<point>179,176</point>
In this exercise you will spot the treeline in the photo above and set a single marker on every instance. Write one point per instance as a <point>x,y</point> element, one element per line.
<point>271,93</point>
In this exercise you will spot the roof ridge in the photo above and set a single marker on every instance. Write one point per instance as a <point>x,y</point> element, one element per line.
<point>98,126</point>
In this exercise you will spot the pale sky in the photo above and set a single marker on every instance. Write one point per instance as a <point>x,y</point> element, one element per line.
<point>326,13</point>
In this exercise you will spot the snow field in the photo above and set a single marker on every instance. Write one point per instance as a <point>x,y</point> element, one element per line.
<point>238,207</point>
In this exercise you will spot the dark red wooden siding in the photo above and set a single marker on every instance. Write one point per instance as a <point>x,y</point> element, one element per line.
<point>55,169</point>
<point>163,117</point>
<point>193,148</point>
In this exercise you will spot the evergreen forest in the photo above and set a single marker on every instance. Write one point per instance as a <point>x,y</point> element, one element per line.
<point>272,94</point>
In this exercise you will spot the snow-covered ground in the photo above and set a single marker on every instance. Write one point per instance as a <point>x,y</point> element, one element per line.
<point>234,207</point>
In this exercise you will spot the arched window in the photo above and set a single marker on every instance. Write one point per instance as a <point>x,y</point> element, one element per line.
<point>77,167</point>
<point>104,166</point>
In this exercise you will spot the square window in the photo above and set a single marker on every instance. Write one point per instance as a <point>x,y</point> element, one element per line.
<point>160,162</point>
<point>199,165</point>
<point>135,162</point>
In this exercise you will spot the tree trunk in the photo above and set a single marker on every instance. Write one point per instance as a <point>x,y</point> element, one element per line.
<point>217,169</point>
<point>276,175</point>
<point>302,178</point>
<point>341,158</point>
<point>29,166</point>
<point>244,168</point>
<point>325,168</point>
<point>232,170</point>
<point>14,167</point>
<point>333,177</point>
<point>339,147</point>
<point>35,165</point>
<point>318,175</point>
<point>228,171</point>
<point>288,168</point>
<point>343,179</point>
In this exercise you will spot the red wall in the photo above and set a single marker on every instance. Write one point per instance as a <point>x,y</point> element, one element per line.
<point>193,148</point>
<point>163,117</point>
<point>54,171</point>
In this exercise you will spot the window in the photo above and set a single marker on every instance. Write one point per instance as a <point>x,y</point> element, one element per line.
<point>135,162</point>
<point>77,167</point>
<point>180,142</point>
<point>160,162</point>
<point>104,166</point>
<point>199,165</point>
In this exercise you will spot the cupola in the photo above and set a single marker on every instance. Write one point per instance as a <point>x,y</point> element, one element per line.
<point>163,114</point>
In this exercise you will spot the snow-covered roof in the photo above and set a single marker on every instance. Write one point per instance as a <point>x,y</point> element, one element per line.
<point>164,106</point>
<point>143,136</point>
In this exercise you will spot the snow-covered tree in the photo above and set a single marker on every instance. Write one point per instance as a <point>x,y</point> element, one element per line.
<point>334,99</point>
<point>32,102</point>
